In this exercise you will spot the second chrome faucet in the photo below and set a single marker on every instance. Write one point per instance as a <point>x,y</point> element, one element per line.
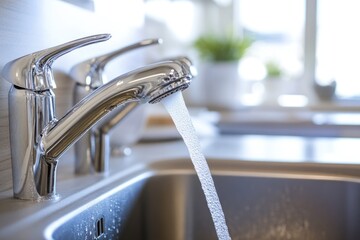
<point>38,139</point>
<point>92,151</point>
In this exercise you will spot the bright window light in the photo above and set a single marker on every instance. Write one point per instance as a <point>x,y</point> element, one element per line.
<point>292,100</point>
<point>338,47</point>
<point>177,16</point>
<point>251,68</point>
<point>277,27</point>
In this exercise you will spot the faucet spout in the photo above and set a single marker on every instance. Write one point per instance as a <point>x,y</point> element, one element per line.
<point>147,84</point>
<point>93,150</point>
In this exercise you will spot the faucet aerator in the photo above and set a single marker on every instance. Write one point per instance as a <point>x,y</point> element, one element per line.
<point>175,86</point>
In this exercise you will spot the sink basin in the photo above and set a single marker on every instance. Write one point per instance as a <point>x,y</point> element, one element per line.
<point>260,201</point>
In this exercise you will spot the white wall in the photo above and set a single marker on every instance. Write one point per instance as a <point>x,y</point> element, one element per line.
<point>31,25</point>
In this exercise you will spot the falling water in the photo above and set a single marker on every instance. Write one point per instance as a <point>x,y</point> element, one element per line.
<point>175,105</point>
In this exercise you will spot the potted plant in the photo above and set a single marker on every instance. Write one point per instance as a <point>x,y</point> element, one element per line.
<point>273,70</point>
<point>220,57</point>
<point>222,49</point>
<point>274,84</point>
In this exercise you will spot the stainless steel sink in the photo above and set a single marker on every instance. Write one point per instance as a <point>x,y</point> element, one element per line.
<point>260,201</point>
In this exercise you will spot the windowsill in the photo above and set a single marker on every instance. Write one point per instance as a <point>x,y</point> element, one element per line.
<point>338,105</point>
<point>321,119</point>
<point>336,118</point>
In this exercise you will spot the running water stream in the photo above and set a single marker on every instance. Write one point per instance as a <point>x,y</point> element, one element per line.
<point>176,107</point>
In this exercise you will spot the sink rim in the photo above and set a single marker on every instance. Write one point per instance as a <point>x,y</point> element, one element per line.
<point>183,166</point>
<point>303,170</point>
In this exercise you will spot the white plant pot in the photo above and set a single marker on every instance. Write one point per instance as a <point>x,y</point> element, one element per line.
<point>222,85</point>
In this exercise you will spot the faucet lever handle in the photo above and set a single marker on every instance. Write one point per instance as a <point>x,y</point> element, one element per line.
<point>33,71</point>
<point>90,72</point>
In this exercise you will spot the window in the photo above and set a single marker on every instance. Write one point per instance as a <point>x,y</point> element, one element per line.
<point>277,26</point>
<point>338,45</point>
<point>310,40</point>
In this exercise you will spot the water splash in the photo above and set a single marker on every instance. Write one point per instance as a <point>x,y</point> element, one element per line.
<point>176,107</point>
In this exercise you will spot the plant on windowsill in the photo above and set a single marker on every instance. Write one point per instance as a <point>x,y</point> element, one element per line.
<point>219,69</point>
<point>273,70</point>
<point>274,85</point>
<point>222,49</point>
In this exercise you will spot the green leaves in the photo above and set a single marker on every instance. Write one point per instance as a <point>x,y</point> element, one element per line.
<point>218,49</point>
<point>273,69</point>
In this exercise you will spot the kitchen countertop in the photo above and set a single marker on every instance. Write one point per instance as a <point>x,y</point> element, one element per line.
<point>265,120</point>
<point>283,149</point>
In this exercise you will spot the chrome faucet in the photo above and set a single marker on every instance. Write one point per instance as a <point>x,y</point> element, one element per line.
<point>92,151</point>
<point>38,139</point>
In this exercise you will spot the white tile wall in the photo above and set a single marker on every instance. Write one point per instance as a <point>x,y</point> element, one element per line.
<point>28,26</point>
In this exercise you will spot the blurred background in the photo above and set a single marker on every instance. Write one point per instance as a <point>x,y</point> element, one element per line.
<point>299,42</point>
<point>297,74</point>
<point>263,66</point>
